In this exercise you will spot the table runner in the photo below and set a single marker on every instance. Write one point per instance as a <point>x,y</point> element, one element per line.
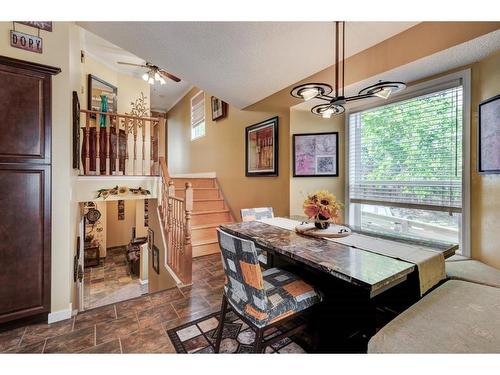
<point>430,263</point>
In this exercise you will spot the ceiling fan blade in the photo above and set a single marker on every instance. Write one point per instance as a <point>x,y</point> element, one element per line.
<point>126,63</point>
<point>166,74</point>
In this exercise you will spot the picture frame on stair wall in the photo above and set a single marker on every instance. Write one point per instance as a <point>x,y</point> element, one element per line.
<point>151,238</point>
<point>156,259</point>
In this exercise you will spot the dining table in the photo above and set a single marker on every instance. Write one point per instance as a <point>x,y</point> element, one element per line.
<point>354,278</point>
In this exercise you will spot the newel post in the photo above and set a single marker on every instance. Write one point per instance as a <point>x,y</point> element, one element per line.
<point>188,249</point>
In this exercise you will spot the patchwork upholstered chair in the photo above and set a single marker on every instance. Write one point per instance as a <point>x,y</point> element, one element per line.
<point>262,299</point>
<point>252,214</point>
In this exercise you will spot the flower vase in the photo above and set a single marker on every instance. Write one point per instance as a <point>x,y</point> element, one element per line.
<point>321,224</point>
<point>104,108</point>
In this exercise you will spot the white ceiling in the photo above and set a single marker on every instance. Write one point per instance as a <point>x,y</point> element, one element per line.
<point>163,97</point>
<point>240,62</point>
<point>451,58</point>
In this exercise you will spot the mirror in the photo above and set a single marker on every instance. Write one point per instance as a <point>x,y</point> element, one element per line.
<point>98,87</point>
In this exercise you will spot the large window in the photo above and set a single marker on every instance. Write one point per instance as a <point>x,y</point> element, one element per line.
<point>406,165</point>
<point>198,115</point>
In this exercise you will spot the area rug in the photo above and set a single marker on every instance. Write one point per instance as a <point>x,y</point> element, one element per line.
<point>199,337</point>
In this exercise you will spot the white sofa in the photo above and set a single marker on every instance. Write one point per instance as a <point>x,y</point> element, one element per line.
<point>460,316</point>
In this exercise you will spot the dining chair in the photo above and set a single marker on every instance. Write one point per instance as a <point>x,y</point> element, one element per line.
<point>261,299</point>
<point>252,214</point>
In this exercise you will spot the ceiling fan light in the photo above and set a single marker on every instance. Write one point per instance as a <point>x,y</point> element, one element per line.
<point>157,76</point>
<point>309,93</point>
<point>145,76</point>
<point>384,93</point>
<point>162,80</point>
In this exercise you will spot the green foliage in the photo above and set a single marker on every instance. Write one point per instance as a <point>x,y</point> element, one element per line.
<point>416,140</point>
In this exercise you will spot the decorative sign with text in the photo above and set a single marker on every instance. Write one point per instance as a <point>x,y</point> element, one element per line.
<point>42,25</point>
<point>27,42</point>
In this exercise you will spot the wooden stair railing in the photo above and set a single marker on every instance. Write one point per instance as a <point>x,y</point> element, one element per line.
<point>175,214</point>
<point>110,140</point>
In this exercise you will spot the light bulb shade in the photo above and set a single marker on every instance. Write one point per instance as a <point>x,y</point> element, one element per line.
<point>145,76</point>
<point>383,89</point>
<point>384,93</point>
<point>151,80</point>
<point>328,110</point>
<point>162,80</point>
<point>311,90</point>
<point>157,76</point>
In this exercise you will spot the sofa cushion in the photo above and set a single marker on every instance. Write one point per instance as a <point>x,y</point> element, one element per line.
<point>457,317</point>
<point>473,271</point>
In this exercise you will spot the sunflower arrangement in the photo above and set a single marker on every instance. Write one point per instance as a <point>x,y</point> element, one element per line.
<point>322,207</point>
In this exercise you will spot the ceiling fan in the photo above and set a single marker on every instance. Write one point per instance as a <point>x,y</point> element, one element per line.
<point>154,73</point>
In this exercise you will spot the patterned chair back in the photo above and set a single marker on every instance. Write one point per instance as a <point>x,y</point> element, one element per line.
<point>244,285</point>
<point>251,214</point>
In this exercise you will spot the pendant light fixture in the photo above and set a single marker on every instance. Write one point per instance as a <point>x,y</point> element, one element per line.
<point>335,103</point>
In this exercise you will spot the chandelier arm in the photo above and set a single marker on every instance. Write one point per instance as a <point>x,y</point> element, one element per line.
<point>358,97</point>
<point>325,97</point>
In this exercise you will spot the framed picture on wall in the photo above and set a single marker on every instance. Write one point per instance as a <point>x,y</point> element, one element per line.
<point>76,131</point>
<point>151,238</point>
<point>261,147</point>
<point>121,209</point>
<point>156,259</point>
<point>219,109</point>
<point>489,136</point>
<point>316,154</point>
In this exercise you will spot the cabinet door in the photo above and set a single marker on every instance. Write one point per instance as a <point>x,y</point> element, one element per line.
<point>24,240</point>
<point>24,115</point>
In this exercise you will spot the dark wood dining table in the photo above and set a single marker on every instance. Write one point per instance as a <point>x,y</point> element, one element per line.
<point>360,276</point>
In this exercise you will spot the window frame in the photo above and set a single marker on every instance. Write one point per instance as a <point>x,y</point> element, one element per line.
<point>412,91</point>
<point>201,92</point>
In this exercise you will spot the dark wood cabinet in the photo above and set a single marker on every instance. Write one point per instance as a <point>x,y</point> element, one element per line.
<point>25,180</point>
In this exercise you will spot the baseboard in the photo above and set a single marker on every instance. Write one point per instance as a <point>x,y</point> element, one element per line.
<point>57,316</point>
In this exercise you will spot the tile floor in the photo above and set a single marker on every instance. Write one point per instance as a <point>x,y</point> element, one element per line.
<point>111,281</point>
<point>135,326</point>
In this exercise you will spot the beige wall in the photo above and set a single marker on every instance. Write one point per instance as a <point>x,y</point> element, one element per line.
<point>119,232</point>
<point>305,122</point>
<point>485,189</point>
<point>163,280</point>
<point>222,151</point>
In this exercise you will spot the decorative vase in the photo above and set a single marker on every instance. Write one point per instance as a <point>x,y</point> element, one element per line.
<point>321,224</point>
<point>104,108</point>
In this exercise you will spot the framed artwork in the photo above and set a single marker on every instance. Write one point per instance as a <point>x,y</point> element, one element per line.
<point>156,259</point>
<point>96,88</point>
<point>151,238</point>
<point>146,212</point>
<point>76,131</point>
<point>219,109</point>
<point>121,210</point>
<point>316,154</point>
<point>489,136</point>
<point>261,147</point>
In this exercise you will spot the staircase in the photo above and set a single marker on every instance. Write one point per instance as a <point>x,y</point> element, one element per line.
<point>209,211</point>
